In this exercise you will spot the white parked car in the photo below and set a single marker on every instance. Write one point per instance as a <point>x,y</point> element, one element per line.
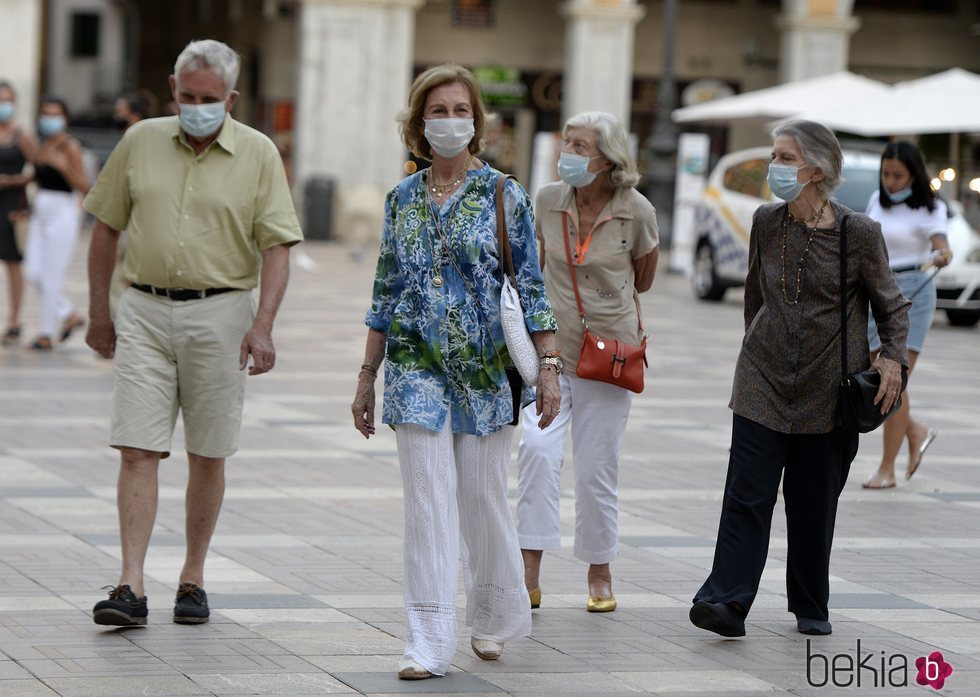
<point>737,186</point>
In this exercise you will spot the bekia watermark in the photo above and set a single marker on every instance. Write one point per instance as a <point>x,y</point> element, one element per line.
<point>868,669</point>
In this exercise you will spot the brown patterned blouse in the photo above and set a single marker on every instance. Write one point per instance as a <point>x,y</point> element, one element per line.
<point>789,368</point>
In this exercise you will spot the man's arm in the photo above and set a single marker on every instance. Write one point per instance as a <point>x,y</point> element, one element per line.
<point>258,339</point>
<point>101,334</point>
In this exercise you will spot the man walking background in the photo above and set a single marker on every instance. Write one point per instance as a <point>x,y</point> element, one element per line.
<point>206,206</point>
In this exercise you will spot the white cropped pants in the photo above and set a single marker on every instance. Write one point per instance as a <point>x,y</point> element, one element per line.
<point>597,413</point>
<point>457,484</point>
<point>51,237</point>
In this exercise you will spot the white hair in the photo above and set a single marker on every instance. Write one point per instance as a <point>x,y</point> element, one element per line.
<point>208,54</point>
<point>613,142</point>
<point>819,147</point>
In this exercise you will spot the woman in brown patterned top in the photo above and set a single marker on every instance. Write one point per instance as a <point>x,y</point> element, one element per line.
<point>785,393</point>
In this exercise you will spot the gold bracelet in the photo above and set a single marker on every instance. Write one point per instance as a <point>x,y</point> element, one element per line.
<point>367,367</point>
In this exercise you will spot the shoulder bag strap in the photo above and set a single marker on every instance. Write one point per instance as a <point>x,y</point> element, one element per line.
<point>571,267</point>
<point>503,241</point>
<point>843,298</point>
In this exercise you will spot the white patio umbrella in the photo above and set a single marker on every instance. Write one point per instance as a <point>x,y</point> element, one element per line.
<point>783,101</point>
<point>946,102</point>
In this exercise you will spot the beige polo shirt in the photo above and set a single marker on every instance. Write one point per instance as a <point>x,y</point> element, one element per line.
<point>195,221</point>
<point>625,231</point>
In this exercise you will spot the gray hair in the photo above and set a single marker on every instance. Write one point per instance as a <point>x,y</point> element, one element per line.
<point>208,54</point>
<point>613,142</point>
<point>819,147</point>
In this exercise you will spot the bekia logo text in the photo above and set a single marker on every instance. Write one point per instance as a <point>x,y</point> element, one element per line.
<point>873,670</point>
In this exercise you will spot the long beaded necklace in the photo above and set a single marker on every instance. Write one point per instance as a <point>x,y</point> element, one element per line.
<point>440,190</point>
<point>782,255</point>
<point>437,278</point>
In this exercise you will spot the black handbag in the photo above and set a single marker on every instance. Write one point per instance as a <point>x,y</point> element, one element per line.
<point>857,391</point>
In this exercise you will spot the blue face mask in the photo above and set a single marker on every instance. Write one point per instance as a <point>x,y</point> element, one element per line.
<point>900,195</point>
<point>49,126</point>
<point>782,181</point>
<point>202,120</point>
<point>6,111</point>
<point>574,169</point>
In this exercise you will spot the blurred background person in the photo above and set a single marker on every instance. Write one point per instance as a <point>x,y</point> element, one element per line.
<point>913,223</point>
<point>614,230</point>
<point>130,108</point>
<point>17,150</point>
<point>55,221</point>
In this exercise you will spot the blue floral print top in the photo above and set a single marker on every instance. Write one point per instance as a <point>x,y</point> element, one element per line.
<point>439,359</point>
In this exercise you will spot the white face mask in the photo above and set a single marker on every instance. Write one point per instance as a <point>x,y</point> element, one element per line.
<point>201,120</point>
<point>449,137</point>
<point>574,169</point>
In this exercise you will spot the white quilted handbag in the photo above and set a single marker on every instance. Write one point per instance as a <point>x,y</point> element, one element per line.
<point>519,344</point>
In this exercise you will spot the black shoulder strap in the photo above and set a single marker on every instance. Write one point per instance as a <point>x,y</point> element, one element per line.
<point>843,298</point>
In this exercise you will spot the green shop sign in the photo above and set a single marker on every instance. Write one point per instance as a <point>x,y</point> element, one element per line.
<point>501,86</point>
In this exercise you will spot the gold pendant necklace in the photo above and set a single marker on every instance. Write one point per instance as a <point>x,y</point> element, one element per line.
<point>440,190</point>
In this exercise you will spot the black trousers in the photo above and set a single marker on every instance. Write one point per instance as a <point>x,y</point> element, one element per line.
<point>813,468</point>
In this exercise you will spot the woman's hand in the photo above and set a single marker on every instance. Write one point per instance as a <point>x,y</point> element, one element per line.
<point>363,406</point>
<point>548,396</point>
<point>942,257</point>
<point>891,382</point>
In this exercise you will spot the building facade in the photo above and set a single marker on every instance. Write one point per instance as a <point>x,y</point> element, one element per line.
<point>326,78</point>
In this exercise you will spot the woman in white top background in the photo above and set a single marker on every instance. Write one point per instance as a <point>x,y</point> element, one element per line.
<point>913,223</point>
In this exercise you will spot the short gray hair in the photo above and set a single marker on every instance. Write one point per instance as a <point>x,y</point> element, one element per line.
<point>208,54</point>
<point>819,147</point>
<point>613,142</point>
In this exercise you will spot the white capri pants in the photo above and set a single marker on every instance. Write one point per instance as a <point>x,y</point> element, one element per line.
<point>444,474</point>
<point>597,413</point>
<point>51,237</point>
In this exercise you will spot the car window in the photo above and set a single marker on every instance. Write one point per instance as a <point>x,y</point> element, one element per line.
<point>859,183</point>
<point>748,178</point>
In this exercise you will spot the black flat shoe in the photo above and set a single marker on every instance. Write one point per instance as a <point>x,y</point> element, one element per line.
<point>11,336</point>
<point>813,627</point>
<point>719,618</point>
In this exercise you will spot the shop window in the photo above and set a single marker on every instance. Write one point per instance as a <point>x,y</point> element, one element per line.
<point>474,14</point>
<point>85,34</point>
<point>936,6</point>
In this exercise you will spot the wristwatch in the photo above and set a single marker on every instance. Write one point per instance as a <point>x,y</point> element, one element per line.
<point>555,361</point>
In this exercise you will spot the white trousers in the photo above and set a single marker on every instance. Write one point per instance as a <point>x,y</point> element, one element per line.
<point>597,413</point>
<point>51,237</point>
<point>457,484</point>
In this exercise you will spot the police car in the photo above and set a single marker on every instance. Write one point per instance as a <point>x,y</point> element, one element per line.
<point>737,186</point>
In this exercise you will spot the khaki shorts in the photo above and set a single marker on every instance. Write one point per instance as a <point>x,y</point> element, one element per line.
<point>179,355</point>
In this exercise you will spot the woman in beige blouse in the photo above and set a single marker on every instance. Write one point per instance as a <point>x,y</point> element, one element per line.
<point>785,392</point>
<point>612,230</point>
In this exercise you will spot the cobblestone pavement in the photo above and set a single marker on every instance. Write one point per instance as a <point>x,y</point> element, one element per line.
<point>305,570</point>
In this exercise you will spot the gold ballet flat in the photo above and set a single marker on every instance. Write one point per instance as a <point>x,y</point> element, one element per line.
<point>601,604</point>
<point>535,596</point>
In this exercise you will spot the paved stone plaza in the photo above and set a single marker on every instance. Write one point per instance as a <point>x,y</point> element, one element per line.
<point>305,570</point>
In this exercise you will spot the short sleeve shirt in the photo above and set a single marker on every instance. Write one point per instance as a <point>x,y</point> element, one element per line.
<point>195,221</point>
<point>908,231</point>
<point>445,352</point>
<point>625,230</point>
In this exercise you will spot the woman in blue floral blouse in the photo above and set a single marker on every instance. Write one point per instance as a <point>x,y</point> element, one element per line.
<point>435,321</point>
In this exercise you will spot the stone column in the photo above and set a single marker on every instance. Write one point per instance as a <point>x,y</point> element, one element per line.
<point>20,53</point>
<point>816,37</point>
<point>355,71</point>
<point>599,56</point>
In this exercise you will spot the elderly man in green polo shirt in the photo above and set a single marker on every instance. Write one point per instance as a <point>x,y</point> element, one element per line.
<point>207,209</point>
